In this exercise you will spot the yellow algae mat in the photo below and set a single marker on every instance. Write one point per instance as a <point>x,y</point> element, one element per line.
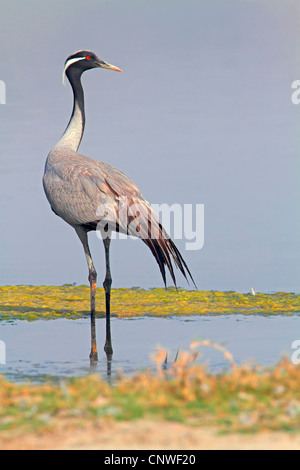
<point>50,302</point>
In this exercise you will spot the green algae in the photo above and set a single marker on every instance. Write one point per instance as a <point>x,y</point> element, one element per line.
<point>50,302</point>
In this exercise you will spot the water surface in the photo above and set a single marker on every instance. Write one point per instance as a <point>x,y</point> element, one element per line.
<point>60,348</point>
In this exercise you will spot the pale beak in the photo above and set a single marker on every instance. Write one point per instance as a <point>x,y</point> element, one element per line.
<point>105,65</point>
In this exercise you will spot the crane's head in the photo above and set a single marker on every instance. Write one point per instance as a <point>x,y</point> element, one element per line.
<point>85,60</point>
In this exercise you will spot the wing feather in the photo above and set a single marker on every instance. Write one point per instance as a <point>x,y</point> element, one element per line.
<point>77,186</point>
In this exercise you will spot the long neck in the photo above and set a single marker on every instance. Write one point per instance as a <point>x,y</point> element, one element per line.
<point>74,131</point>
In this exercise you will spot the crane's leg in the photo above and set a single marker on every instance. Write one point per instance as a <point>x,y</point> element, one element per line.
<point>92,280</point>
<point>107,287</point>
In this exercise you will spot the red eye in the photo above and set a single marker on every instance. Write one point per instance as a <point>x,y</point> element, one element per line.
<point>88,57</point>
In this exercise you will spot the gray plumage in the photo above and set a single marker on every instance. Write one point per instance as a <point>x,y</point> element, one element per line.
<point>76,186</point>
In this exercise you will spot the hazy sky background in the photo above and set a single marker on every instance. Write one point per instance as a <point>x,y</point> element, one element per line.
<point>201,114</point>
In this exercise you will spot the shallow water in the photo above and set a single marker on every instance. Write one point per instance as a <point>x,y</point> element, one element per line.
<point>60,348</point>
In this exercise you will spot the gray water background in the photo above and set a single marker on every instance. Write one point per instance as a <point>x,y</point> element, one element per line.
<point>202,113</point>
<point>57,349</point>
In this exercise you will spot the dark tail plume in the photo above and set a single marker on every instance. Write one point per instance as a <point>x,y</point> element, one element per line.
<point>164,250</point>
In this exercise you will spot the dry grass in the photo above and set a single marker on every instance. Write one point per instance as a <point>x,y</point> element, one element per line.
<point>247,399</point>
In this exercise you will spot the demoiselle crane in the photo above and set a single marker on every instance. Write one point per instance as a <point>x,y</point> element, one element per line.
<point>91,195</point>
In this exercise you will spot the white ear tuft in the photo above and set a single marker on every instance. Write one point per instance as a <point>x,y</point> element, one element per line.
<point>67,65</point>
